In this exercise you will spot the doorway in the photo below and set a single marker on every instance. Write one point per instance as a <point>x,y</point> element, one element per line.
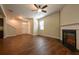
<point>26,27</point>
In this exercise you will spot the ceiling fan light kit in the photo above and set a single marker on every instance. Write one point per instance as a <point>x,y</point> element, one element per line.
<point>39,10</point>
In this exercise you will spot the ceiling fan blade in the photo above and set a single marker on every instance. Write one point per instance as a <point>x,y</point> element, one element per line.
<point>44,7</point>
<point>44,11</point>
<point>39,6</point>
<point>36,6</point>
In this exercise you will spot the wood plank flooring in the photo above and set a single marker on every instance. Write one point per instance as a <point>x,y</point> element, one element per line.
<point>32,45</point>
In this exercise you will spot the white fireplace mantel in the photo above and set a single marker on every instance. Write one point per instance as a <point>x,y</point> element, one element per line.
<point>72,27</point>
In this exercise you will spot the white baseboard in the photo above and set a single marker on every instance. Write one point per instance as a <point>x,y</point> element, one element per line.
<point>51,36</point>
<point>9,36</point>
<point>5,36</point>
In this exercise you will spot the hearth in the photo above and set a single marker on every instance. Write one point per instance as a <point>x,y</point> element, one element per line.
<point>69,39</point>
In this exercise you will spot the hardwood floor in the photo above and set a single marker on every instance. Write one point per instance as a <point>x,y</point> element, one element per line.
<point>32,45</point>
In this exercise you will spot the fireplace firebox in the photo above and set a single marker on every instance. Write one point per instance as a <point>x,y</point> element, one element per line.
<point>69,39</point>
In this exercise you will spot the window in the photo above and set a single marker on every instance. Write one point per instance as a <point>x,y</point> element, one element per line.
<point>41,24</point>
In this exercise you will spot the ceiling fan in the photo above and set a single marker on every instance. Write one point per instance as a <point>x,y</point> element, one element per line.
<point>40,8</point>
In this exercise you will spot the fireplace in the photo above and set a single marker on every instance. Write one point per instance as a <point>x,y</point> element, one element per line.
<point>69,39</point>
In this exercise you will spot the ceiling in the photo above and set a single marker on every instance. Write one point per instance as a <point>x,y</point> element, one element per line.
<point>25,10</point>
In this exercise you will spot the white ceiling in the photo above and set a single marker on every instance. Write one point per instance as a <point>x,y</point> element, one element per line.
<point>25,10</point>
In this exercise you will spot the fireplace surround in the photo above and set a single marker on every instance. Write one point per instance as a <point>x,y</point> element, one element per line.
<point>68,29</point>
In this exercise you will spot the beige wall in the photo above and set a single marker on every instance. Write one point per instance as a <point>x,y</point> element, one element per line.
<point>70,14</point>
<point>51,26</point>
<point>13,27</point>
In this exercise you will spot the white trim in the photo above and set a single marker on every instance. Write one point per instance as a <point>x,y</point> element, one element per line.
<point>51,36</point>
<point>9,36</point>
<point>16,35</point>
